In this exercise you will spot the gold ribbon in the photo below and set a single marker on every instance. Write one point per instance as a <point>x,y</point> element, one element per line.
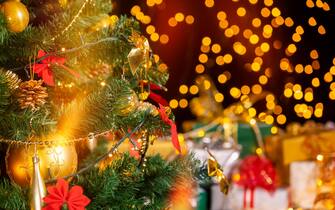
<point>215,171</point>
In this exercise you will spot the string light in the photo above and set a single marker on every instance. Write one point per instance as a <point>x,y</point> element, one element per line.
<point>254,41</point>
<point>74,19</point>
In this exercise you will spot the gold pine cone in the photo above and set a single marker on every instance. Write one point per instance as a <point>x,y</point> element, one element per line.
<point>31,94</point>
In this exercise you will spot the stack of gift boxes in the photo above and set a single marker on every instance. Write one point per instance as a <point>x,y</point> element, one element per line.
<point>304,162</point>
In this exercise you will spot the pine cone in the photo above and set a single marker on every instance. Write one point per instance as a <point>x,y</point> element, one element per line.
<point>32,94</point>
<point>11,79</point>
<point>100,70</point>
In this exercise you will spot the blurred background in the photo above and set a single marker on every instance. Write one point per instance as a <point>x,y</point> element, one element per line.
<point>281,48</point>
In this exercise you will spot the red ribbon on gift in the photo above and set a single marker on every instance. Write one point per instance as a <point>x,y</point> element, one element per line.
<point>256,171</point>
<point>167,120</point>
<point>43,70</point>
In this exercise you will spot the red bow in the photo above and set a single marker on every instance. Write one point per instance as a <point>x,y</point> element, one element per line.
<point>256,171</point>
<point>60,195</point>
<point>154,96</point>
<point>43,69</point>
<point>174,134</point>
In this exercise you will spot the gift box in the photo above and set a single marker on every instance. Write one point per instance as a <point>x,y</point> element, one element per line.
<point>245,135</point>
<point>263,200</point>
<point>303,183</point>
<point>301,143</point>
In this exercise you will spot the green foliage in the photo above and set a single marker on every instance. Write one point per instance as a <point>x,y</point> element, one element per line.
<point>19,125</point>
<point>123,185</point>
<point>98,102</point>
<point>12,196</point>
<point>3,29</point>
<point>5,93</point>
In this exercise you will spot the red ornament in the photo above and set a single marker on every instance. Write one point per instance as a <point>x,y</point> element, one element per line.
<point>60,195</point>
<point>256,171</point>
<point>167,120</point>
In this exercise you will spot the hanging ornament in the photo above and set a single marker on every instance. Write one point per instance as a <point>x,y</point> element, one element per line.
<point>31,94</point>
<point>37,187</point>
<point>140,53</point>
<point>146,106</point>
<point>61,197</point>
<point>55,161</point>
<point>91,142</point>
<point>16,14</point>
<point>127,104</point>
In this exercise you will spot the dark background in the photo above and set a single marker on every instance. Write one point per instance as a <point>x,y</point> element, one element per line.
<point>182,51</point>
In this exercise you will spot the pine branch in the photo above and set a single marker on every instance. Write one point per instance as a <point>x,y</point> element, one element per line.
<point>12,196</point>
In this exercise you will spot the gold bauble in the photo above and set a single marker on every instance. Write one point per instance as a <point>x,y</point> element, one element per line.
<point>128,104</point>
<point>56,161</point>
<point>16,14</point>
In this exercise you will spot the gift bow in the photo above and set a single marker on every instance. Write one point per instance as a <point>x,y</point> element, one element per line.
<point>256,171</point>
<point>214,170</point>
<point>43,69</point>
<point>167,120</point>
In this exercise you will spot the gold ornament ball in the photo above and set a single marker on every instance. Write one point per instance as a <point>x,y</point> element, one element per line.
<point>128,104</point>
<point>55,162</point>
<point>16,14</point>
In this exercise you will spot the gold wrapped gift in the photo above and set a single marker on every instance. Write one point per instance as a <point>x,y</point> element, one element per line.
<point>298,143</point>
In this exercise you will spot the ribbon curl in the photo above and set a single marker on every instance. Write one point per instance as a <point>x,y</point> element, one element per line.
<point>168,121</point>
<point>214,170</point>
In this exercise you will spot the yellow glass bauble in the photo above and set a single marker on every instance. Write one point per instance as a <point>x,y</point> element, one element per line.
<point>128,104</point>
<point>56,161</point>
<point>16,14</point>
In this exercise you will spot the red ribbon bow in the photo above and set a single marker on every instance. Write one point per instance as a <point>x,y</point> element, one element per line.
<point>154,96</point>
<point>167,120</point>
<point>60,195</point>
<point>43,69</point>
<point>256,171</point>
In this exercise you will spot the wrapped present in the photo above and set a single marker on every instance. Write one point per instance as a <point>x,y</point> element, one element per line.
<point>243,133</point>
<point>202,199</point>
<point>278,200</point>
<point>246,137</point>
<point>303,183</point>
<point>298,143</point>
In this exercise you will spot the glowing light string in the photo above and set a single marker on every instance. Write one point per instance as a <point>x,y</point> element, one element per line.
<point>60,52</point>
<point>102,157</point>
<point>72,21</point>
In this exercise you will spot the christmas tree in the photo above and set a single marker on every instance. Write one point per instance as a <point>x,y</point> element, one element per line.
<point>75,81</point>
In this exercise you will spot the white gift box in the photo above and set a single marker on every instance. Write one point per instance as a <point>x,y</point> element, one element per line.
<point>263,200</point>
<point>303,183</point>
